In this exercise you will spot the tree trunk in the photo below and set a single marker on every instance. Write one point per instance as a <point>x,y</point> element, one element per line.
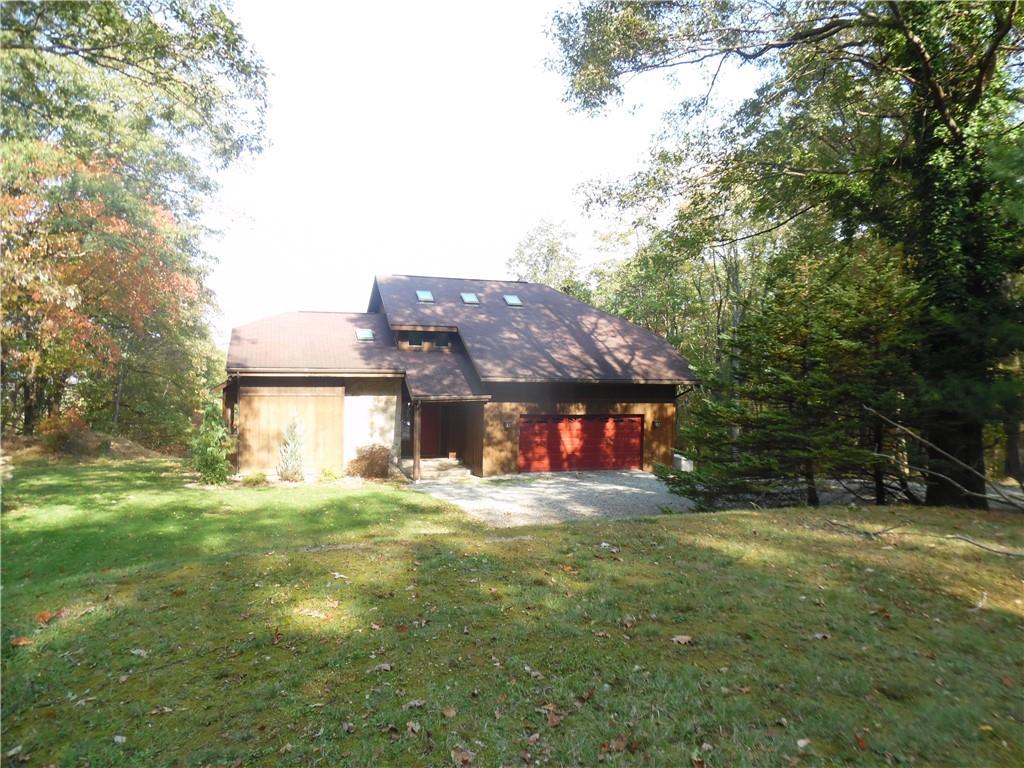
<point>1011,460</point>
<point>117,399</point>
<point>812,489</point>
<point>29,408</point>
<point>965,441</point>
<point>878,470</point>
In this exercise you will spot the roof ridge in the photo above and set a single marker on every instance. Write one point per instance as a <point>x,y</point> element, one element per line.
<point>463,279</point>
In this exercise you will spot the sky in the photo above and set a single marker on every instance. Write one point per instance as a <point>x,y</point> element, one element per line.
<point>410,138</point>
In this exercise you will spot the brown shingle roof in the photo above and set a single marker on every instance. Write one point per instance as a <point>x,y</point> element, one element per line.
<point>326,342</point>
<point>552,337</point>
<point>314,341</point>
<point>441,376</point>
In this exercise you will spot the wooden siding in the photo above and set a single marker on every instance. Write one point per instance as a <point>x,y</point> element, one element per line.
<point>501,444</point>
<point>264,413</point>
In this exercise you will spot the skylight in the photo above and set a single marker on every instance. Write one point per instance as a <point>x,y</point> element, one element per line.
<point>364,334</point>
<point>513,300</point>
<point>470,298</point>
<point>424,295</point>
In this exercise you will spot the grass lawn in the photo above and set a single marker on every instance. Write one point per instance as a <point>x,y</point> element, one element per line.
<point>328,626</point>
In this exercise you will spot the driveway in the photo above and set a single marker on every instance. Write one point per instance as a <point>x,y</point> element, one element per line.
<point>555,497</point>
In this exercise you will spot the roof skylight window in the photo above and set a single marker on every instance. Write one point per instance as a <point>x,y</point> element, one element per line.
<point>425,295</point>
<point>513,300</point>
<point>364,334</point>
<point>470,298</point>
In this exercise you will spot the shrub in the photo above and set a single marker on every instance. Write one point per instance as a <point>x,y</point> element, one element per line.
<point>327,475</point>
<point>211,445</point>
<point>63,432</point>
<point>371,461</point>
<point>255,480</point>
<point>289,466</point>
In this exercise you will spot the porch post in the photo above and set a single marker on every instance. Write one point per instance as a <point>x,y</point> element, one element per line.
<point>416,409</point>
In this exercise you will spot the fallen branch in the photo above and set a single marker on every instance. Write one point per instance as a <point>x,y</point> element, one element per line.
<point>1014,503</point>
<point>875,535</point>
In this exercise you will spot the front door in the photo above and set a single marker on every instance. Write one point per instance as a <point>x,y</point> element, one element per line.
<point>430,430</point>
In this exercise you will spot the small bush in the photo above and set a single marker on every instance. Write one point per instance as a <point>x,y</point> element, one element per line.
<point>63,432</point>
<point>289,466</point>
<point>211,445</point>
<point>255,480</point>
<point>327,475</point>
<point>371,461</point>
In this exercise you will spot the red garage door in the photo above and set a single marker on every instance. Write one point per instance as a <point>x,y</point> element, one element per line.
<point>559,443</point>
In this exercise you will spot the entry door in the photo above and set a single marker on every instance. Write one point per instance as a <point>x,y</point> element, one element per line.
<point>430,429</point>
<point>555,443</point>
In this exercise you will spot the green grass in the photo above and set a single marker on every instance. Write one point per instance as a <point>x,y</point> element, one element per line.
<point>255,653</point>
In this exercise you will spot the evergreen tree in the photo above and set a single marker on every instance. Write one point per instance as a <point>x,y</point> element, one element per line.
<point>290,463</point>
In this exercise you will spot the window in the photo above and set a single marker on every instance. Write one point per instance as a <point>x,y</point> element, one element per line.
<point>424,295</point>
<point>513,300</point>
<point>364,334</point>
<point>470,298</point>
<point>415,339</point>
<point>441,340</point>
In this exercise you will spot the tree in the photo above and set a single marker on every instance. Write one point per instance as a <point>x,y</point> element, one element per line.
<point>545,256</point>
<point>111,112</point>
<point>828,335</point>
<point>891,118</point>
<point>290,463</point>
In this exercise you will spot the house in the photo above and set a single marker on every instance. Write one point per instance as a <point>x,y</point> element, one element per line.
<point>504,376</point>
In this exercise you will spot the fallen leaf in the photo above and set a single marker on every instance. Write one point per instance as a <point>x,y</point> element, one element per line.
<point>45,617</point>
<point>286,748</point>
<point>586,695</point>
<point>402,628</point>
<point>179,592</point>
<point>245,615</point>
<point>376,627</point>
<point>276,637</point>
<point>862,743</point>
<point>554,718</point>
<point>602,633</point>
<point>412,727</point>
<point>533,672</point>
<point>822,636</point>
<point>533,738</point>
<point>21,642</point>
<point>448,712</point>
<point>697,762</point>
<point>462,756</point>
<point>414,704</point>
<point>161,710</point>
<point>629,622</point>
<point>497,714</point>
<point>803,743</point>
<point>682,640</point>
<point>385,667</point>
<point>618,744</point>
<point>1007,681</point>
<point>348,727</point>
<point>140,652</point>
<point>985,727</point>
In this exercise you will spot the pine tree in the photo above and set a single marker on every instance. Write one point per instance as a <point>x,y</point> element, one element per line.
<point>289,466</point>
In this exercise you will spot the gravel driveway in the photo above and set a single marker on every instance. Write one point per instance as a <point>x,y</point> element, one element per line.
<point>554,497</point>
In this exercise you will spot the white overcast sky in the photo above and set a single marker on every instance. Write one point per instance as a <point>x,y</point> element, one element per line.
<point>410,137</point>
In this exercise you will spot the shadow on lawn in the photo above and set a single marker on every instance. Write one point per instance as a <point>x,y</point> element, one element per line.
<point>76,521</point>
<point>503,628</point>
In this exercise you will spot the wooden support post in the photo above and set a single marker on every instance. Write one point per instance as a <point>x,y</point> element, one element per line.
<point>416,409</point>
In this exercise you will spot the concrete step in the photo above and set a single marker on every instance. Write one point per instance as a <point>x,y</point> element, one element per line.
<point>437,469</point>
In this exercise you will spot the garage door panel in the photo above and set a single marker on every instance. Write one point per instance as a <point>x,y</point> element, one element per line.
<point>551,443</point>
